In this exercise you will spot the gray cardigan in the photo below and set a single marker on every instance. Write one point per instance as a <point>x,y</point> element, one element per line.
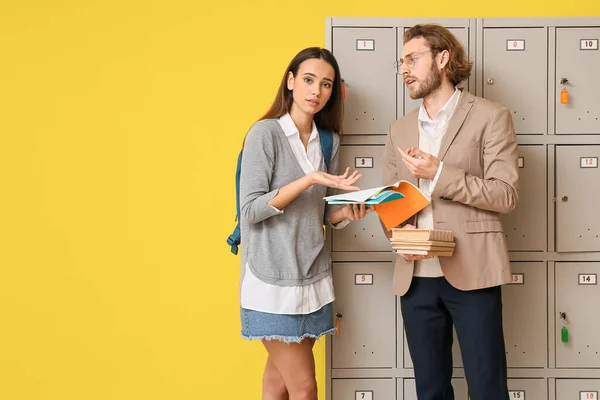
<point>282,249</point>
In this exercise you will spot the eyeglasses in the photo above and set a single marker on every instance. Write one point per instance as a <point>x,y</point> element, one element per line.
<point>410,61</point>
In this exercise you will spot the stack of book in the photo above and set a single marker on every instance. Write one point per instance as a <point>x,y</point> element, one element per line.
<point>432,242</point>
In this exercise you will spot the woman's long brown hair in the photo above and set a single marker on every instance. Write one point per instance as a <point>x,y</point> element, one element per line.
<point>331,116</point>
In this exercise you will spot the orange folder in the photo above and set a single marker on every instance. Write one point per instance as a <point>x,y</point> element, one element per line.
<point>395,212</point>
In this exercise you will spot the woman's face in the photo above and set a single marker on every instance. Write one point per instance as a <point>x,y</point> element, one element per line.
<point>312,86</point>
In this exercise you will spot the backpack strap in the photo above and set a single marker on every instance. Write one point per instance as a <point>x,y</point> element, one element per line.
<point>235,238</point>
<point>326,139</point>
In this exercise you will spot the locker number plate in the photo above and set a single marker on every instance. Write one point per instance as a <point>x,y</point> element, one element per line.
<point>515,45</point>
<point>588,395</point>
<point>516,394</point>
<point>365,45</point>
<point>363,279</point>
<point>518,279</point>
<point>588,44</point>
<point>364,395</point>
<point>363,162</point>
<point>588,162</point>
<point>588,279</point>
<point>521,162</point>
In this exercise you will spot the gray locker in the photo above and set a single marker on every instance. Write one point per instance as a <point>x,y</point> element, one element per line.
<point>577,194</point>
<point>577,389</point>
<point>363,389</point>
<point>525,315</point>
<point>526,227</point>
<point>527,389</point>
<point>365,234</point>
<point>459,385</point>
<point>456,356</point>
<point>366,57</point>
<point>366,339</point>
<point>515,74</point>
<point>577,60</point>
<point>462,34</point>
<point>577,299</point>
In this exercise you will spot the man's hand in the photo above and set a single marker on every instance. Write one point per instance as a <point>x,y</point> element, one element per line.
<point>420,164</point>
<point>413,257</point>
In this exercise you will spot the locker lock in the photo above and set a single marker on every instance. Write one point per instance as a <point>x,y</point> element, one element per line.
<point>338,316</point>
<point>563,315</point>
<point>564,199</point>
<point>490,81</point>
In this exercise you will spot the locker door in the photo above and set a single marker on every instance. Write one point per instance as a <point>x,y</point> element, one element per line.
<point>363,389</point>
<point>525,228</point>
<point>577,389</point>
<point>524,313</point>
<point>456,356</point>
<point>527,389</point>
<point>365,234</point>
<point>577,60</point>
<point>366,338</point>
<point>462,34</point>
<point>515,75</point>
<point>577,194</point>
<point>366,57</point>
<point>577,299</point>
<point>459,385</point>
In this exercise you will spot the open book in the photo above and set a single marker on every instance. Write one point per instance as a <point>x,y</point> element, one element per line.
<point>382,196</point>
<point>393,203</point>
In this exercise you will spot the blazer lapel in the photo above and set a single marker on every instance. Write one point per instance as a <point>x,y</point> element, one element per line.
<point>457,120</point>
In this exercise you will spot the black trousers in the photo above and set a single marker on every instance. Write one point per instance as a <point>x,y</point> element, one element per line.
<point>430,308</point>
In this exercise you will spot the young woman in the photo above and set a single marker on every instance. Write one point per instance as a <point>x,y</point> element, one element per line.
<point>286,284</point>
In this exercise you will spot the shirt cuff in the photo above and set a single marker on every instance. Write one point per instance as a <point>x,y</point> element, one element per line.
<point>277,210</point>
<point>341,224</point>
<point>436,177</point>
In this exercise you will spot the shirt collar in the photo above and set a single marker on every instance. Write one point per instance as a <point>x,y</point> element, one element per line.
<point>289,127</point>
<point>445,113</point>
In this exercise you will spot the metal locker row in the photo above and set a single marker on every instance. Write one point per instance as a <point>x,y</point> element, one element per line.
<point>515,73</point>
<point>515,62</point>
<point>519,389</point>
<point>366,57</point>
<point>577,224</point>
<point>370,337</point>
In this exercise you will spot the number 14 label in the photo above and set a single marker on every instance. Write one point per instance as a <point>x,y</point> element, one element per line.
<point>588,395</point>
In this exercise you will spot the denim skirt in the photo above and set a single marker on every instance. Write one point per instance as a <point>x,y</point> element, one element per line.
<point>288,328</point>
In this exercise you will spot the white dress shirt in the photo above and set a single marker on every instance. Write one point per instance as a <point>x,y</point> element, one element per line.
<point>431,134</point>
<point>260,296</point>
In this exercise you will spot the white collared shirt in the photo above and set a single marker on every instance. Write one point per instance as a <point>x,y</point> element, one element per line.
<point>431,134</point>
<point>260,296</point>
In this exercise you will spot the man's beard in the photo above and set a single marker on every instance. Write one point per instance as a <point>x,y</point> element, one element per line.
<point>431,83</point>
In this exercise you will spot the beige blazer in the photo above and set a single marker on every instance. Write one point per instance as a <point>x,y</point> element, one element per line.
<point>478,182</point>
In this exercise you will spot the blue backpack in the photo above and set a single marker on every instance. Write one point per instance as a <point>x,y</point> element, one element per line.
<point>234,240</point>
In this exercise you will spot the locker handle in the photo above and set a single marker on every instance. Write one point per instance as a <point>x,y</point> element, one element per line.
<point>564,199</point>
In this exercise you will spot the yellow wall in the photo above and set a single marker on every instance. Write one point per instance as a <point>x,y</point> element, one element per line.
<point>120,123</point>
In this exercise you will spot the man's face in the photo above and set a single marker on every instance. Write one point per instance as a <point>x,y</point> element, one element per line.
<point>419,69</point>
